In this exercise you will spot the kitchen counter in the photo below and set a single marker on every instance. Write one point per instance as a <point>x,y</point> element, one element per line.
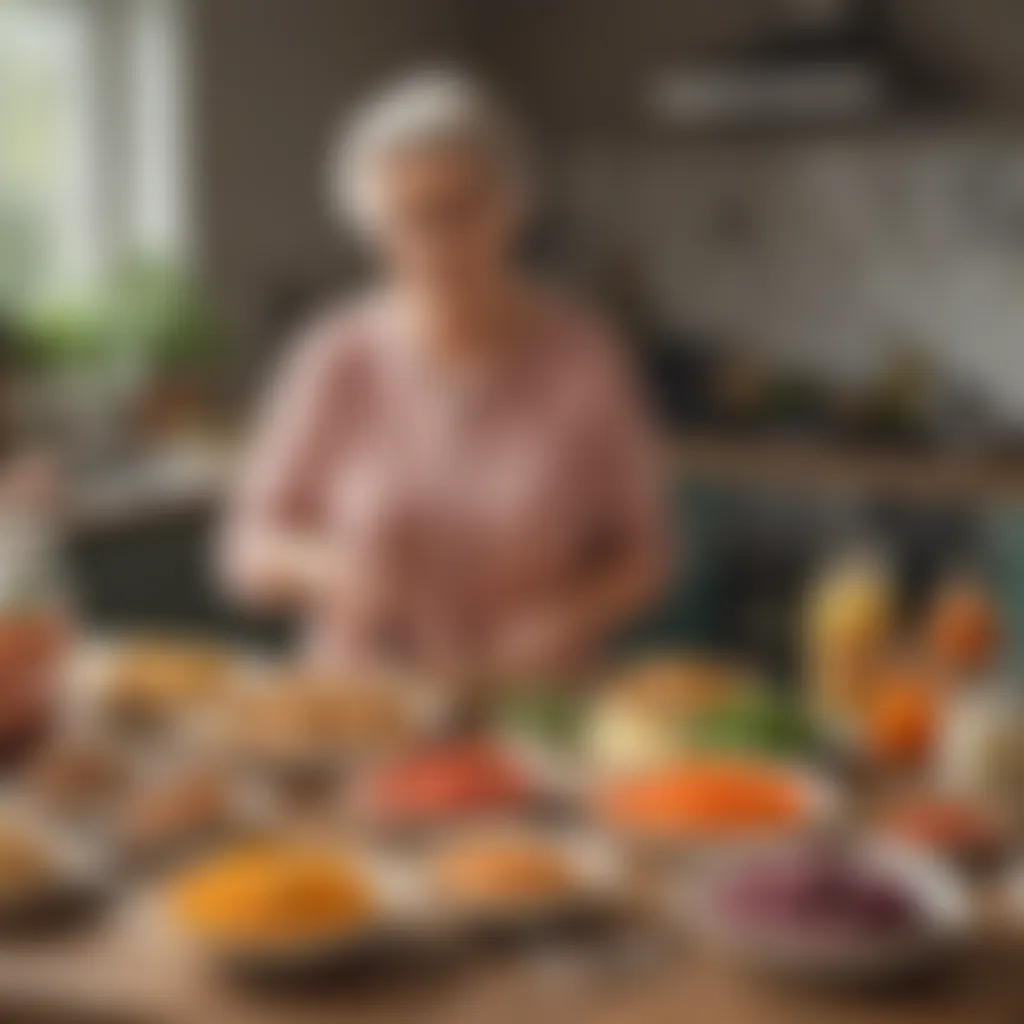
<point>189,479</point>
<point>816,465</point>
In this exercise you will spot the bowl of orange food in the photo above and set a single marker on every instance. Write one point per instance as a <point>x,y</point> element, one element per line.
<point>284,905</point>
<point>710,801</point>
<point>518,875</point>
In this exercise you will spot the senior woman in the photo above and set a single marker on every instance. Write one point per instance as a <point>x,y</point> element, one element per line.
<point>454,472</point>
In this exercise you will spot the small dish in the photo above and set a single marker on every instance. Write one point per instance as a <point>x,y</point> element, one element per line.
<point>701,804</point>
<point>968,832</point>
<point>445,785</point>
<point>288,907</point>
<point>917,913</point>
<point>516,876</point>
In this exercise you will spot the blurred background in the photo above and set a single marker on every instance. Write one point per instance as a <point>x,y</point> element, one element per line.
<point>808,214</point>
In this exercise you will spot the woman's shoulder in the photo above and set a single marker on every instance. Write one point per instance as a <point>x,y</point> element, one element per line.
<point>585,340</point>
<point>578,321</point>
<point>336,338</point>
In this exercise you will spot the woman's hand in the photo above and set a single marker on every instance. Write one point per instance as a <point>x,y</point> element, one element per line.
<point>546,640</point>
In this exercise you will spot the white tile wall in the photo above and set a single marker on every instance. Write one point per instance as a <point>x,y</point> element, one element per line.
<point>823,252</point>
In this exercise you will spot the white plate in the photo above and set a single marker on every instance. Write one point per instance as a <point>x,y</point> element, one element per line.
<point>942,899</point>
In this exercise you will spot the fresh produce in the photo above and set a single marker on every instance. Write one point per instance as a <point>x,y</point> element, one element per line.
<point>641,718</point>
<point>552,717</point>
<point>903,714</point>
<point>962,627</point>
<point>707,799</point>
<point>755,723</point>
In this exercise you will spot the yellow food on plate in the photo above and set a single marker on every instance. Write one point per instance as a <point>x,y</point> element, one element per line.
<point>156,677</point>
<point>639,721</point>
<point>505,869</point>
<point>273,892</point>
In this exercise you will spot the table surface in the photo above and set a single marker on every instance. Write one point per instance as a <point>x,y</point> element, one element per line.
<point>123,969</point>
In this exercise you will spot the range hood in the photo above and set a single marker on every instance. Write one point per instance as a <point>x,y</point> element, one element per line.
<point>814,60</point>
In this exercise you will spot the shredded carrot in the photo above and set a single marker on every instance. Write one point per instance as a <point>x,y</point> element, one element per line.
<point>706,799</point>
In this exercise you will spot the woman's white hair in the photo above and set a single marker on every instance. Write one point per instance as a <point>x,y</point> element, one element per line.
<point>425,110</point>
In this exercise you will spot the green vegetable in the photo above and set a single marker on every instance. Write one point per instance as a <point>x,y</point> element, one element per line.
<point>756,723</point>
<point>551,716</point>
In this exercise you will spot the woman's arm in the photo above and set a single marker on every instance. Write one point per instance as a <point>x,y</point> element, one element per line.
<point>272,553</point>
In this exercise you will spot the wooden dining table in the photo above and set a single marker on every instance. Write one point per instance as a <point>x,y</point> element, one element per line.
<point>122,968</point>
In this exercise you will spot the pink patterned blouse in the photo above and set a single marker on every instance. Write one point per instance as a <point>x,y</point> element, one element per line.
<point>467,498</point>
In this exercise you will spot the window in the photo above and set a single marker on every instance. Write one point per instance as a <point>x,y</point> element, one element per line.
<point>91,160</point>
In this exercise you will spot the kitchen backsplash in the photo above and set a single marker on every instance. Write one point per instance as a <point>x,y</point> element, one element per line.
<point>826,252</point>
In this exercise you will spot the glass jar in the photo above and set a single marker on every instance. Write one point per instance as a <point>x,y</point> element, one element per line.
<point>36,627</point>
<point>848,624</point>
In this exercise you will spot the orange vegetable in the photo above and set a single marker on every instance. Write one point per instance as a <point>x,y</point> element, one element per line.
<point>902,717</point>
<point>706,799</point>
<point>962,629</point>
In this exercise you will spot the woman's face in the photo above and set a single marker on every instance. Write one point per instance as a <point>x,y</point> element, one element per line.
<point>445,219</point>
